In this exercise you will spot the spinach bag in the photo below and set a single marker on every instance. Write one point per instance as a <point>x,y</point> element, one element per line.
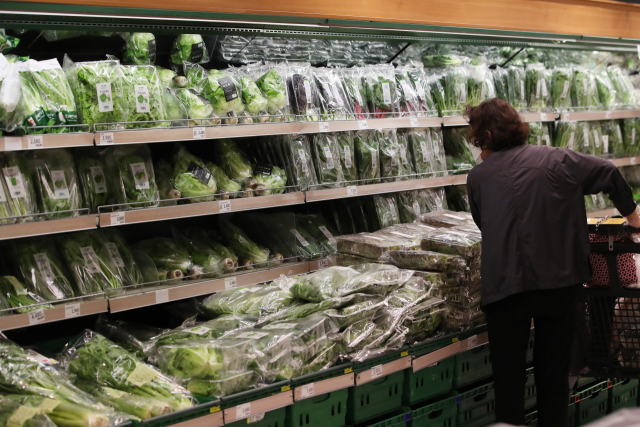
<point>501,83</point>
<point>93,179</point>
<point>297,153</point>
<point>631,136</point>
<point>439,163</point>
<point>132,178</point>
<point>367,156</point>
<point>516,87</point>
<point>21,194</point>
<point>404,154</point>
<point>584,93</point>
<point>408,206</point>
<point>381,93</point>
<point>346,146</point>
<point>389,153</point>
<point>387,210</point>
<point>421,149</point>
<point>327,160</point>
<point>612,138</point>
<point>354,91</point>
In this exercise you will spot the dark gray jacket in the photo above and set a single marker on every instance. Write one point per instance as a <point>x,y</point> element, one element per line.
<point>529,203</point>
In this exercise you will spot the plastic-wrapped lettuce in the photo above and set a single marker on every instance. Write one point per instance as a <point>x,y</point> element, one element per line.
<point>142,96</point>
<point>171,256</point>
<point>584,93</point>
<point>561,89</point>
<point>480,85</point>
<point>631,136</point>
<point>501,83</point>
<point>368,156</point>
<point>297,154</point>
<point>140,49</point>
<point>320,230</point>
<point>271,180</point>
<point>206,238</point>
<point>458,150</point>
<point>7,42</point>
<point>354,91</point>
<point>303,93</point>
<point>115,248</point>
<point>191,177</point>
<point>516,87</point>
<point>380,86</point>
<point>232,161</point>
<point>404,155</point>
<point>431,199</point>
<point>21,194</point>
<point>56,183</point>
<point>454,85</point>
<point>41,268</point>
<point>249,253</point>
<point>132,177</point>
<point>14,294</point>
<point>56,91</point>
<point>612,138</point>
<point>226,186</point>
<point>169,78</point>
<point>188,47</point>
<point>606,91</point>
<point>387,210</point>
<point>254,300</point>
<point>326,153</point>
<point>255,104</point>
<point>537,82</point>
<point>539,133</point>
<point>625,92</point>
<point>199,110</point>
<point>565,135</point>
<point>271,81</point>
<point>174,110</point>
<point>203,255</point>
<point>92,173</point>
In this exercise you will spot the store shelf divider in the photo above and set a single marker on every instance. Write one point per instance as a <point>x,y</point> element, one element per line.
<point>322,382</point>
<point>58,312</point>
<point>254,402</point>
<point>53,226</point>
<point>49,140</point>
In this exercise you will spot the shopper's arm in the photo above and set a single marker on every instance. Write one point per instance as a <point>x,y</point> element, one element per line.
<point>474,201</point>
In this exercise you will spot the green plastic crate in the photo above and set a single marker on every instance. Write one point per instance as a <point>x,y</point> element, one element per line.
<point>326,410</point>
<point>472,366</point>
<point>428,383</point>
<point>572,414</point>
<point>275,418</point>
<point>477,407</point>
<point>530,393</point>
<point>402,418</point>
<point>592,404</point>
<point>531,419</point>
<point>443,413</point>
<point>180,416</point>
<point>624,394</point>
<point>530,345</point>
<point>375,398</point>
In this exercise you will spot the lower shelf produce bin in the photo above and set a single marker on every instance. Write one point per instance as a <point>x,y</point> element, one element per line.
<point>208,414</point>
<point>375,398</point>
<point>592,403</point>
<point>623,395</point>
<point>472,366</point>
<point>477,408</point>
<point>428,383</point>
<point>530,393</point>
<point>326,410</point>
<point>443,413</point>
<point>275,418</point>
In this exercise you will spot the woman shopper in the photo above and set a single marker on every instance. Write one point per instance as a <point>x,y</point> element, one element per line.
<point>528,201</point>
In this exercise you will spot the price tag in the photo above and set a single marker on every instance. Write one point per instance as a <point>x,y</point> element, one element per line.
<point>543,117</point>
<point>162,295</point>
<point>36,316</point>
<point>632,160</point>
<point>224,206</point>
<point>566,116</point>
<point>607,115</point>
<point>376,372</point>
<point>71,310</point>
<point>12,143</point>
<point>106,138</point>
<point>472,341</point>
<point>362,124</point>
<point>322,264</point>
<point>323,126</point>
<point>199,133</point>
<point>308,390</point>
<point>413,121</point>
<point>230,282</point>
<point>35,141</point>
<point>117,218</point>
<point>243,411</point>
<point>352,190</point>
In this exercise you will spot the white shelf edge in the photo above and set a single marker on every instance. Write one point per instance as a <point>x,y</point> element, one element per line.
<point>54,314</point>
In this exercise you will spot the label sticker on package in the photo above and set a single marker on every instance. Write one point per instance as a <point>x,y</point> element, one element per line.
<point>142,98</point>
<point>60,189</point>
<point>280,326</point>
<point>99,181</point>
<point>71,310</point>
<point>329,156</point>
<point>253,335</point>
<point>90,259</point>
<point>48,405</point>
<point>416,208</point>
<point>308,390</point>
<point>105,98</point>
<point>596,140</point>
<point>585,136</point>
<point>425,154</point>
<point>544,88</point>
<point>198,330</point>
<point>229,88</point>
<point>374,160</point>
<point>605,142</point>
<point>230,282</point>
<point>522,90</point>
<point>571,138</point>
<point>376,372</point>
<point>301,239</point>
<point>347,156</point>
<point>15,182</point>
<point>33,355</point>
<point>21,415</point>
<point>565,90</point>
<point>243,411</point>
<point>619,132</point>
<point>337,95</point>
<point>585,86</point>
<point>463,93</point>
<point>307,91</point>
<point>403,154</point>
<point>483,92</point>
<point>303,160</point>
<point>538,86</point>
<point>546,138</point>
<point>386,94</point>
<point>139,172</point>
<point>42,261</point>
<point>197,52</point>
<point>142,375</point>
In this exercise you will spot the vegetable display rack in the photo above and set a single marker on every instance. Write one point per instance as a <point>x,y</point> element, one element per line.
<point>610,327</point>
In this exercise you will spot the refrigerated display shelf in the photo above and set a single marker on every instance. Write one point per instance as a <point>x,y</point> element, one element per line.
<point>57,313</point>
<point>599,115</point>
<point>53,226</point>
<point>53,140</point>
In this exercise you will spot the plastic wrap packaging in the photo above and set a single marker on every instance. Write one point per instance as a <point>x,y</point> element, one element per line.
<point>354,90</point>
<point>583,140</point>
<point>631,136</point>
<point>459,156</point>
<point>612,140</point>
<point>480,85</point>
<point>565,135</point>
<point>232,161</point>
<point>7,42</point>
<point>14,414</point>
<point>271,79</point>
<point>387,210</point>
<point>418,80</point>
<point>204,255</point>
<point>407,169</point>
<point>421,150</point>
<point>607,93</point>
<point>92,173</point>
<point>227,188</point>
<point>595,137</point>
<point>21,194</point>
<point>174,110</point>
<point>458,198</point>
<point>303,96</point>
<point>439,157</point>
<point>454,83</point>
<point>115,248</point>
<point>306,245</point>
<point>205,238</point>
<point>163,173</point>
<point>41,268</point>
<point>409,103</point>
<point>56,183</point>
<point>424,260</point>
<point>170,257</point>
<point>408,206</point>
<point>561,89</point>
<point>56,91</point>
<point>93,357</point>
<point>331,96</point>
<point>431,199</point>
<point>169,78</point>
<point>364,310</point>
<point>539,133</point>
<point>625,92</point>
<point>320,230</point>
<point>380,87</point>
<point>389,153</point>
<point>250,254</point>
<point>516,87</point>
<point>23,104</point>
<point>446,219</point>
<point>423,320</point>
<point>346,147</point>
<point>188,47</point>
<point>594,202</point>
<point>453,242</point>
<point>322,284</point>
<point>132,178</point>
<point>368,156</point>
<point>191,177</point>
<point>537,83</point>
<point>298,156</point>
<point>142,96</point>
<point>584,92</point>
<point>10,92</point>
<point>270,180</point>
<point>501,82</point>
<point>326,153</point>
<point>15,295</point>
<point>140,48</point>
<point>199,110</point>
<point>98,92</point>
<point>372,246</point>
<point>348,260</point>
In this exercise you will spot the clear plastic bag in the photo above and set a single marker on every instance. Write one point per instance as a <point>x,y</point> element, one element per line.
<point>368,156</point>
<point>404,156</point>
<point>539,133</point>
<point>501,83</point>
<point>191,177</point>
<point>479,84</point>
<point>188,47</point>
<point>537,82</point>
<point>354,91</point>
<point>199,110</point>
<point>584,93</point>
<point>297,153</point>
<point>612,138</point>
<point>251,255</point>
<point>424,260</point>
<point>320,230</point>
<point>561,89</point>
<point>140,48</point>
<point>206,238</point>
<point>174,109</point>
<point>13,413</point>
<point>14,294</point>
<point>625,92</point>
<point>421,150</point>
<point>132,178</point>
<point>303,93</point>
<point>380,86</point>
<point>408,206</point>
<point>516,87</point>
<point>56,91</point>
<point>92,173</point>
<point>327,160</point>
<point>431,199</point>
<point>439,157</point>
<point>387,210</point>
<point>607,93</point>
<point>170,256</point>
<point>454,242</point>
<point>418,81</point>
<point>142,96</point>
<point>322,284</point>
<point>21,195</point>
<point>254,300</point>
<point>389,153</point>
<point>446,219</point>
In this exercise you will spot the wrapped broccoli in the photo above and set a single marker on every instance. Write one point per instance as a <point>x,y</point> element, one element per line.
<point>326,153</point>
<point>132,178</point>
<point>191,177</point>
<point>188,47</point>
<point>140,49</point>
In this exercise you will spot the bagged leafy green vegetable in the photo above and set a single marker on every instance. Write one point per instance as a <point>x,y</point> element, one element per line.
<point>439,162</point>
<point>480,85</point>
<point>408,100</point>
<point>596,137</point>
<point>326,153</point>
<point>408,206</point>
<point>7,42</point>
<point>199,110</point>
<point>625,92</point>
<point>612,138</point>
<point>32,110</point>
<point>631,135</point>
<point>539,133</point>
<point>302,93</point>
<point>446,219</point>
<point>347,155</point>
<point>56,183</point>
<point>142,96</point>
<point>170,255</point>
<point>389,153</point>
<point>255,104</point>
<point>191,177</point>
<point>169,78</point>
<point>368,156</point>
<point>330,95</point>
<point>454,84</point>
<point>41,269</point>
<point>380,86</point>
<point>458,198</point>
<point>174,109</point>
<point>204,237</point>
<point>168,195</point>
<point>320,230</point>
<point>92,173</point>
<point>6,213</point>
<point>249,253</point>
<point>458,150</point>
<point>306,245</point>
<point>501,82</point>
<point>115,248</point>
<point>354,91</point>
<point>271,82</point>
<point>453,242</point>
<point>298,156</point>
<point>62,413</point>
<point>140,49</point>
<point>224,183</point>
<point>424,260</point>
<point>271,178</point>
<point>21,195</point>
<point>188,47</point>
<point>203,255</point>
<point>537,83</point>
<point>584,93</point>
<point>565,135</point>
<point>132,177</point>
<point>232,161</point>
<point>431,199</point>
<point>15,295</point>
<point>404,155</point>
<point>606,91</point>
<point>561,89</point>
<point>421,150</point>
<point>516,87</point>
<point>254,300</point>
<point>56,91</point>
<point>387,210</point>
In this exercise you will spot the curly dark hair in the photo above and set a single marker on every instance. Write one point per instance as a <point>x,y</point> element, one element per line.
<point>498,119</point>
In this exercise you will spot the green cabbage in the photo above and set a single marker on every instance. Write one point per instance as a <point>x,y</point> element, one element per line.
<point>188,47</point>
<point>140,49</point>
<point>191,177</point>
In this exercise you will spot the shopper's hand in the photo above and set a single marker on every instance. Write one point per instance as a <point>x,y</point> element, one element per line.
<point>634,219</point>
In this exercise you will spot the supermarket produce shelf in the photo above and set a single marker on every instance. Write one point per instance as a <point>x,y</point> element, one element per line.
<point>454,121</point>
<point>386,187</point>
<point>459,346</point>
<point>54,226</point>
<point>603,213</point>
<point>625,161</point>
<point>538,117</point>
<point>347,125</point>
<point>600,115</point>
<point>58,312</point>
<point>159,295</point>
<point>53,140</point>
<point>198,209</point>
